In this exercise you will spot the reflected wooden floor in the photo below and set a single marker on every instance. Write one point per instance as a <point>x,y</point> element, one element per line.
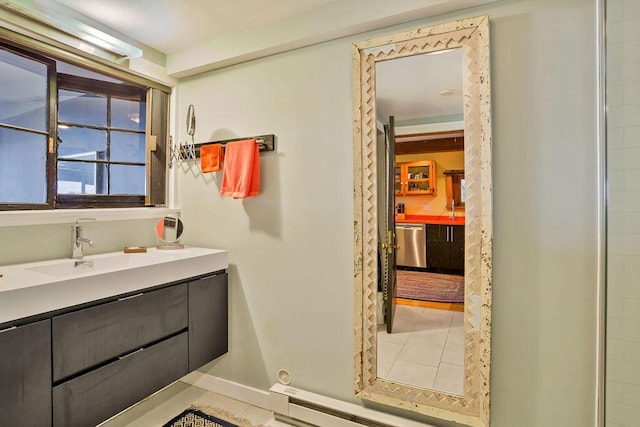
<point>451,306</point>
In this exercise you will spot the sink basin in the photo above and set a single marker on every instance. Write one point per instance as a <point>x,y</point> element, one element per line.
<point>40,287</point>
<point>72,267</point>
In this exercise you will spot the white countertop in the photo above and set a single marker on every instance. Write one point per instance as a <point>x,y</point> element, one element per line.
<point>35,288</point>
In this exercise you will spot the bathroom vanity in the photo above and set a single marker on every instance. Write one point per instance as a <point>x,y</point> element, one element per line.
<point>139,323</point>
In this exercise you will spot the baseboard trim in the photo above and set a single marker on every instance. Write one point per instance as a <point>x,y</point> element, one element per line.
<point>243,393</point>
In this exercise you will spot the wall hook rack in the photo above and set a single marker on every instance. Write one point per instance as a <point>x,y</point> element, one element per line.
<point>265,142</point>
<point>180,152</point>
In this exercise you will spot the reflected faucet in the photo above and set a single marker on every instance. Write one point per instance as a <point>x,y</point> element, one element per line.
<point>453,209</point>
<point>77,240</point>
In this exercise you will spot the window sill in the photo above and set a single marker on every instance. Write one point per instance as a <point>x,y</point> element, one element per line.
<point>64,216</point>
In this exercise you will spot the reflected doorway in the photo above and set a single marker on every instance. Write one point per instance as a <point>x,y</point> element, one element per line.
<point>420,340</point>
<point>424,344</point>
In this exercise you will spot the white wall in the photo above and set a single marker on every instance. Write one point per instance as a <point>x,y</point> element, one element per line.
<point>290,249</point>
<point>545,215</point>
<point>19,244</point>
<point>623,297</point>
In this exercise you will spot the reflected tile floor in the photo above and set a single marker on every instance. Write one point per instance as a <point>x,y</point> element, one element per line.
<point>426,349</point>
<point>159,408</point>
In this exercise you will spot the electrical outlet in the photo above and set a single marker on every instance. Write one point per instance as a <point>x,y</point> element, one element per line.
<point>426,207</point>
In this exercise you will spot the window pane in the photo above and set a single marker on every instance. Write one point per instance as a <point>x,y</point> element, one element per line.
<point>128,114</point>
<point>82,143</point>
<point>23,85</point>
<point>128,179</point>
<point>23,167</point>
<point>127,147</point>
<point>82,178</point>
<point>82,108</point>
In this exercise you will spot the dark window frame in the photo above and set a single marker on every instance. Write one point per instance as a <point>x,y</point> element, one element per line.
<point>51,132</point>
<point>109,90</point>
<point>157,101</point>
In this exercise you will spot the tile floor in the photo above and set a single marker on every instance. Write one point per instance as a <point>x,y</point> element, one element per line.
<point>425,349</point>
<point>162,406</point>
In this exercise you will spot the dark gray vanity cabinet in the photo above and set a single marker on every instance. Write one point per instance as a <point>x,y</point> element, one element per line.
<point>109,356</point>
<point>445,247</point>
<point>91,398</point>
<point>208,319</point>
<point>25,375</point>
<point>86,338</point>
<point>82,365</point>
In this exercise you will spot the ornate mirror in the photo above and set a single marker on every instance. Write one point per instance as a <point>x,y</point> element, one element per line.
<point>377,188</point>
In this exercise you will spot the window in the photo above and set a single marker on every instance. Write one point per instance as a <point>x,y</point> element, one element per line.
<point>101,141</point>
<point>78,138</point>
<point>25,127</point>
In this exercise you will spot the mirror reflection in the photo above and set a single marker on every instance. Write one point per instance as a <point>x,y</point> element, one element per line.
<point>168,232</point>
<point>387,196</point>
<point>419,107</point>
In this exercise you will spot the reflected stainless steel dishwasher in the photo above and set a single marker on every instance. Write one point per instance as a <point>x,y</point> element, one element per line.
<point>412,245</point>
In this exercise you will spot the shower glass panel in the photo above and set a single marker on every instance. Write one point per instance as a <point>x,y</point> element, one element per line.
<point>622,385</point>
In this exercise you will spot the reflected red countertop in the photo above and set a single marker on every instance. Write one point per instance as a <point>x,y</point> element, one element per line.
<point>431,219</point>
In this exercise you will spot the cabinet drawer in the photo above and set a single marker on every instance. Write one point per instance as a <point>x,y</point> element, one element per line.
<point>93,397</point>
<point>208,319</point>
<point>91,336</point>
<point>25,375</point>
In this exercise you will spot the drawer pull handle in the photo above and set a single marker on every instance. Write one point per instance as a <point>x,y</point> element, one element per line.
<point>8,329</point>
<point>131,296</point>
<point>130,354</point>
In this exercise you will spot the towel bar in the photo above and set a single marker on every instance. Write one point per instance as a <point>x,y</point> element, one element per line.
<point>180,152</point>
<point>265,142</point>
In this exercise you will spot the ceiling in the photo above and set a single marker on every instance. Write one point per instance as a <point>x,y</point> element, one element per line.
<point>408,88</point>
<point>421,88</point>
<point>173,25</point>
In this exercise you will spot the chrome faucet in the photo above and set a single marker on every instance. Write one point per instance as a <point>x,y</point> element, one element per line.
<point>77,240</point>
<point>453,209</point>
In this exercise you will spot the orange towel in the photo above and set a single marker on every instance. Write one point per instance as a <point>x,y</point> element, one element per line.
<point>211,157</point>
<point>241,175</point>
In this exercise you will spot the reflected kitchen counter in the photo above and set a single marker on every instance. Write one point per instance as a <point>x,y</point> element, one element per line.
<point>431,219</point>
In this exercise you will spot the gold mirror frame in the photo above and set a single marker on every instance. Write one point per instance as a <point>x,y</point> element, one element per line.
<point>472,35</point>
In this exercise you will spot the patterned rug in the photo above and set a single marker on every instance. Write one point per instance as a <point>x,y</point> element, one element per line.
<point>194,418</point>
<point>424,286</point>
